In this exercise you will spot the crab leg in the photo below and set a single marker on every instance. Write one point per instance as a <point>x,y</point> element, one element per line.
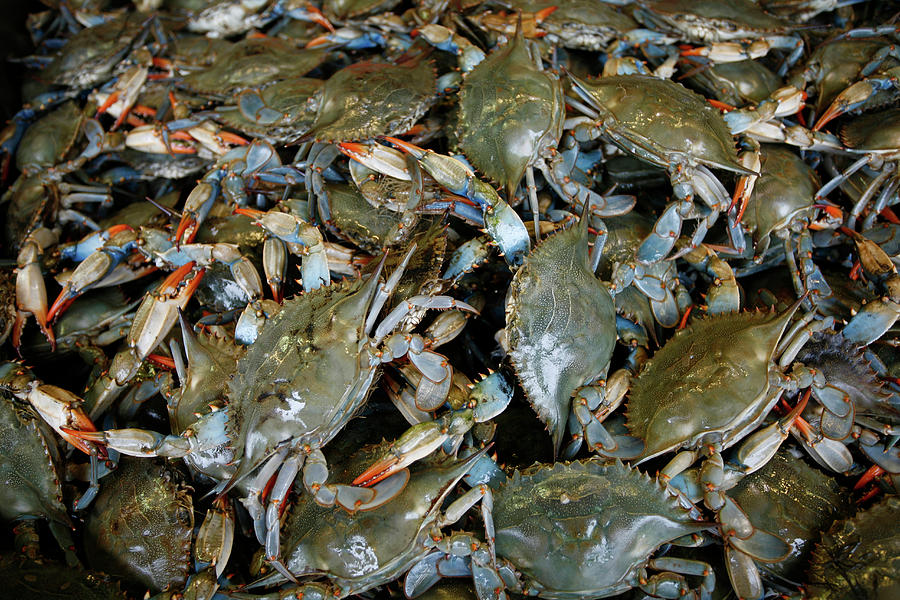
<point>502,223</point>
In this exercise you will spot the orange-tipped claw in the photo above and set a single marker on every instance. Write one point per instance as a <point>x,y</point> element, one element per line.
<point>318,41</point>
<point>869,476</point>
<point>721,105</point>
<point>161,361</point>
<point>63,301</point>
<point>689,51</point>
<point>176,277</point>
<point>317,16</point>
<point>890,215</point>
<point>379,471</point>
<point>110,100</point>
<point>232,138</point>
<point>187,229</point>
<point>684,318</point>
<point>249,212</point>
<point>544,13</point>
<point>833,112</point>
<point>352,150</point>
<point>405,146</point>
<point>84,435</point>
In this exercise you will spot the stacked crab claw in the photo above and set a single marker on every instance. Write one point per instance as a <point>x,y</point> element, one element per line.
<point>559,298</point>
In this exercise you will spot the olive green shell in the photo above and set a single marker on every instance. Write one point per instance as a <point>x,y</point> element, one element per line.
<point>715,20</point>
<point>509,111</point>
<point>29,483</point>
<point>140,525</point>
<point>584,529</point>
<point>253,63</point>
<point>783,194</point>
<point>560,325</point>
<point>709,381</point>
<point>655,119</point>
<point>859,558</point>
<point>873,131</point>
<point>369,99</point>
<point>795,502</point>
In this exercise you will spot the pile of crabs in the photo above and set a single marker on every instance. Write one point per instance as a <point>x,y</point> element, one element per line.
<point>563,298</point>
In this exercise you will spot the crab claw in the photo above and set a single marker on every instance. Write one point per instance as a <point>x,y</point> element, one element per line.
<point>851,98</point>
<point>196,207</point>
<point>134,442</point>
<point>378,158</point>
<point>62,411</point>
<point>760,447</point>
<point>416,443</point>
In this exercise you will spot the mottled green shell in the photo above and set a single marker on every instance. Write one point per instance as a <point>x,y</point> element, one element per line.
<point>360,550</point>
<point>254,63</point>
<point>795,502</point>
<point>715,20</point>
<point>784,193</point>
<point>740,82</point>
<point>509,111</point>
<point>348,9</point>
<point>47,140</point>
<point>709,381</point>
<point>859,558</point>
<point>291,98</point>
<point>369,99</point>
<point>304,377</point>
<point>29,484</point>
<point>874,131</point>
<point>584,529</point>
<point>357,221</point>
<point>89,56</point>
<point>140,525</point>
<point>656,118</point>
<point>837,65</point>
<point>560,325</point>
<point>584,24</point>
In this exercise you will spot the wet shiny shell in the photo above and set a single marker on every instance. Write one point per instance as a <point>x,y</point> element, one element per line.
<point>560,325</point>
<point>838,64</point>
<point>660,117</point>
<point>254,63</point>
<point>584,529</point>
<point>509,111</point>
<point>368,99</point>
<point>368,548</point>
<point>29,484</point>
<point>290,98</point>
<point>783,193</point>
<point>140,525</point>
<point>741,82</point>
<point>582,24</point>
<point>873,132</point>
<point>859,557</point>
<point>709,382</point>
<point>795,502</point>
<point>48,139</point>
<point>355,220</point>
<point>302,377</point>
<point>714,20</point>
<point>89,56</point>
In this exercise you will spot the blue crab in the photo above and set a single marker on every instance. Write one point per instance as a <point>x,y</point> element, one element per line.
<point>386,539</point>
<point>141,524</point>
<point>284,402</point>
<point>857,557</point>
<point>578,530</point>
<point>663,123</point>
<point>560,327</point>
